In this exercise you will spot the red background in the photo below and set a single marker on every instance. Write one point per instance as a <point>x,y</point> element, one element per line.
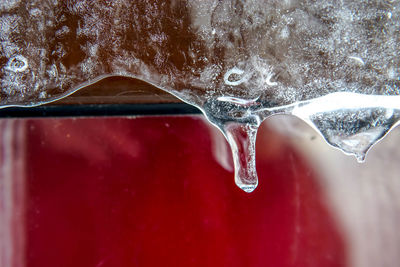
<point>149,192</point>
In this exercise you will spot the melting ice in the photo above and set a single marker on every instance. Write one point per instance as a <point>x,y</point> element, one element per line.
<point>335,65</point>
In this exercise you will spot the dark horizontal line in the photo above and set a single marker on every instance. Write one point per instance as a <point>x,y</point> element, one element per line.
<point>98,110</point>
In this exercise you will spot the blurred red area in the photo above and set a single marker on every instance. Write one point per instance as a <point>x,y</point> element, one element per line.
<point>148,191</point>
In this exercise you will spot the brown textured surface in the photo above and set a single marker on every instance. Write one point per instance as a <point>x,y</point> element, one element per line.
<point>119,90</point>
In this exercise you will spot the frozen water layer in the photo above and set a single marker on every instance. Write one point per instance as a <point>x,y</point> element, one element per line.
<point>216,55</point>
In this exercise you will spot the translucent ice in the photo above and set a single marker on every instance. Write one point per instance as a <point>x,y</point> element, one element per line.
<point>238,61</point>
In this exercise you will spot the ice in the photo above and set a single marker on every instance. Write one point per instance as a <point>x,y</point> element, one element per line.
<point>242,139</point>
<point>17,64</point>
<point>349,121</point>
<point>234,117</point>
<point>238,61</point>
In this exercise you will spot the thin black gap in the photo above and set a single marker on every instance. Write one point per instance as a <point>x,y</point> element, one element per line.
<point>98,110</point>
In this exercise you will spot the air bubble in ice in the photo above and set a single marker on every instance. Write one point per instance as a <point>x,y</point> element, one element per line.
<point>357,59</point>
<point>238,79</point>
<point>17,64</point>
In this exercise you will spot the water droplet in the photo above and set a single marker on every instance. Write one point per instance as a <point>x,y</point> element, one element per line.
<point>242,138</point>
<point>236,119</point>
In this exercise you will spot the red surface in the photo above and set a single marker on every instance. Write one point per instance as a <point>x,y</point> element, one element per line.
<point>148,192</point>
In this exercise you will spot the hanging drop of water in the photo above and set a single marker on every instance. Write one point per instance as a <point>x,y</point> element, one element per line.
<point>242,139</point>
<point>236,118</point>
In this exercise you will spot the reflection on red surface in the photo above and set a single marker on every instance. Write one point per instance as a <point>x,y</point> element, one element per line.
<point>148,192</point>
